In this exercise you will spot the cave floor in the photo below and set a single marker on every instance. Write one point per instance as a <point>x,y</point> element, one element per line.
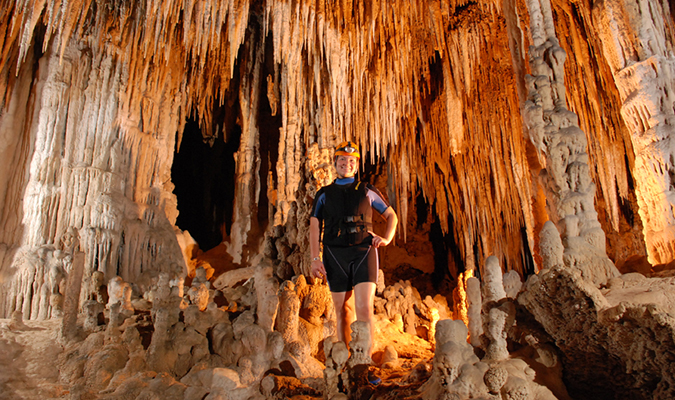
<point>28,361</point>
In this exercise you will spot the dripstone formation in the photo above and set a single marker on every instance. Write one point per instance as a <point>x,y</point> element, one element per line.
<point>159,160</point>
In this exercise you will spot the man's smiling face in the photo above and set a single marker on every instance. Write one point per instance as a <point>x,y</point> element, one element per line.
<point>346,166</point>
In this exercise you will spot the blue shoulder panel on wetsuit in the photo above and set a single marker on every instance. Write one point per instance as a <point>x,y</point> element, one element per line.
<point>377,202</point>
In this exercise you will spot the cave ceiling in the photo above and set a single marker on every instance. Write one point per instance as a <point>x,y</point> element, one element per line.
<point>96,96</point>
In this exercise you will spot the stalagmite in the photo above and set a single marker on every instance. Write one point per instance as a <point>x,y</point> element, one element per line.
<point>336,360</point>
<point>475,302</point>
<point>93,311</point>
<point>266,288</point>
<point>69,330</point>
<point>499,320</point>
<point>360,345</point>
<point>289,307</point>
<point>16,322</point>
<point>493,283</point>
<point>454,361</point>
<point>512,284</point>
<point>551,246</point>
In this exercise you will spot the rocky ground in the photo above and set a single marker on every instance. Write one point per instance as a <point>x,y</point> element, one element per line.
<point>28,361</point>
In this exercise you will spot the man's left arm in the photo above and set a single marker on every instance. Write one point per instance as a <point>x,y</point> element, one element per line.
<point>392,220</point>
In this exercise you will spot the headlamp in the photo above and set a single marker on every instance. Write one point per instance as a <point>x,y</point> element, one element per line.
<point>348,149</point>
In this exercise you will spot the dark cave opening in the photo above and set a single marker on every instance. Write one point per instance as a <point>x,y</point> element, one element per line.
<point>204,167</point>
<point>203,173</point>
<point>448,262</point>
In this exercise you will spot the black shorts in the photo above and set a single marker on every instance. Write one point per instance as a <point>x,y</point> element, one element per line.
<point>348,266</point>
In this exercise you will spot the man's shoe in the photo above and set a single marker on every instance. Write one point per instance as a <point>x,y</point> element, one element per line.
<point>373,379</point>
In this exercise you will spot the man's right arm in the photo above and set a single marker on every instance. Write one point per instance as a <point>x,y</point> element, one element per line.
<point>317,270</point>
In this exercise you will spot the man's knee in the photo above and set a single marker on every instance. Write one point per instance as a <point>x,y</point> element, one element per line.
<point>345,310</point>
<point>363,310</point>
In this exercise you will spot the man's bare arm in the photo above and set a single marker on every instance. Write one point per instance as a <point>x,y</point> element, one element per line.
<point>317,270</point>
<point>392,220</point>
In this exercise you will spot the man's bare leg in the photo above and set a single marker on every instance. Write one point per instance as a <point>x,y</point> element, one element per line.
<point>344,313</point>
<point>365,296</point>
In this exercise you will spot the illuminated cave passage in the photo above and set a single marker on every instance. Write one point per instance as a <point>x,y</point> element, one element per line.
<point>203,175</point>
<point>504,133</point>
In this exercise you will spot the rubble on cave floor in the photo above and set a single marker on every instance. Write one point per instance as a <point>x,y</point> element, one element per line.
<point>253,338</point>
<point>244,334</point>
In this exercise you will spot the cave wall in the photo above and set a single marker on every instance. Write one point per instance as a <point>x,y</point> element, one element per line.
<point>96,96</point>
<point>96,164</point>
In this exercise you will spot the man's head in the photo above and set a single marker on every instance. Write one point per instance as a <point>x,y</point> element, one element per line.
<point>347,159</point>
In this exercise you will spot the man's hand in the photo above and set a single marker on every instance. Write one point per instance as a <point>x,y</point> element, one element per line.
<point>317,270</point>
<point>379,241</point>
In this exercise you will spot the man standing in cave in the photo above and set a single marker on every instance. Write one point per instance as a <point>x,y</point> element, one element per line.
<point>350,261</point>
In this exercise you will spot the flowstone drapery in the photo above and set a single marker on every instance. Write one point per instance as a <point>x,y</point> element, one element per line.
<point>93,169</point>
<point>638,48</point>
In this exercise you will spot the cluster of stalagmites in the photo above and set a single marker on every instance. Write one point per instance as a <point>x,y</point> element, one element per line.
<point>458,372</point>
<point>252,338</point>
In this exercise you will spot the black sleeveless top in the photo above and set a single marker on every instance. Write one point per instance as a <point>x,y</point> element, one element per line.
<point>347,213</point>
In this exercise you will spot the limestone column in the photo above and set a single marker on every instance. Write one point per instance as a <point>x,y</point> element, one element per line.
<point>562,150</point>
<point>247,158</point>
<point>69,327</point>
<point>637,45</point>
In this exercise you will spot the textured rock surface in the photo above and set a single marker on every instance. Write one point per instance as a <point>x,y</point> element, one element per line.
<point>479,143</point>
<point>590,331</point>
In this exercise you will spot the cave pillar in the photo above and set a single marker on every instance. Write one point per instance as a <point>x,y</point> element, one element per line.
<point>562,150</point>
<point>636,44</point>
<point>306,136</point>
<point>16,147</point>
<point>96,162</point>
<point>247,158</point>
<point>26,285</point>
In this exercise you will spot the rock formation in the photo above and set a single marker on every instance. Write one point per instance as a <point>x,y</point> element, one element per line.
<point>515,140</point>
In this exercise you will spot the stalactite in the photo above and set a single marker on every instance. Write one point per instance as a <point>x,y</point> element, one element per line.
<point>247,178</point>
<point>431,88</point>
<point>383,96</point>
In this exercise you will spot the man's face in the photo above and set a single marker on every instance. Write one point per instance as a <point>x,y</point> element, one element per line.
<point>346,166</point>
